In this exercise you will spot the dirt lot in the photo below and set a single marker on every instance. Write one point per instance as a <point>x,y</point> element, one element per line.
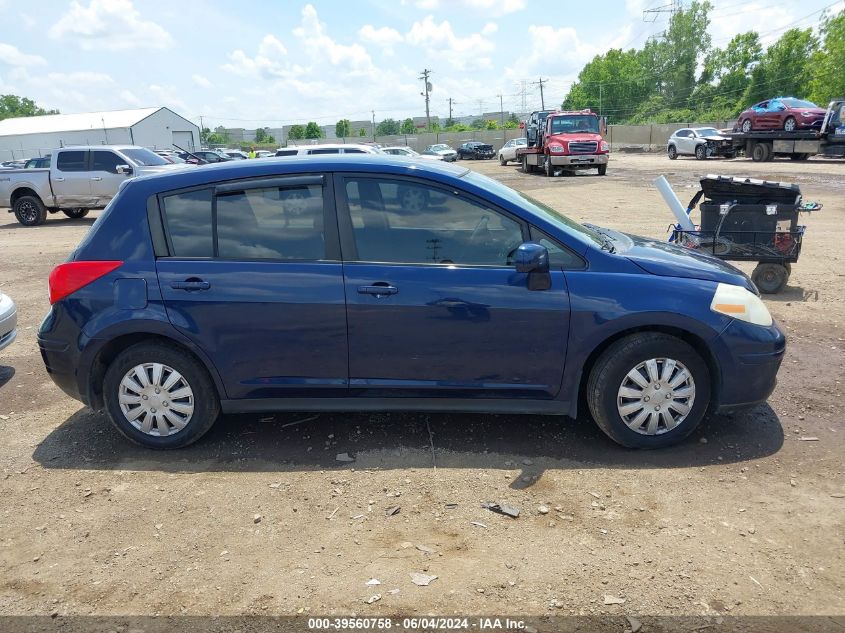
<point>745,518</point>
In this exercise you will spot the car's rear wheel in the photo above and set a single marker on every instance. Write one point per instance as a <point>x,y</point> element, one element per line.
<point>673,152</point>
<point>701,151</point>
<point>649,390</point>
<point>30,211</point>
<point>76,213</point>
<point>159,396</point>
<point>746,126</point>
<point>789,125</point>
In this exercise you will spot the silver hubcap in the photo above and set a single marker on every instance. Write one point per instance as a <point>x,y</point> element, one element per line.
<point>656,396</point>
<point>790,125</point>
<point>156,399</point>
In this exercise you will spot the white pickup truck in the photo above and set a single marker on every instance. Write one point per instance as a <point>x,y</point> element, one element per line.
<point>78,179</point>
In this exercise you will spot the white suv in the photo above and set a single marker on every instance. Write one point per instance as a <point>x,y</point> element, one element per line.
<point>328,148</point>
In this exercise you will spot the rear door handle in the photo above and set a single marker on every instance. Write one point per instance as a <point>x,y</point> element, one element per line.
<point>95,178</point>
<point>190,285</point>
<point>380,289</point>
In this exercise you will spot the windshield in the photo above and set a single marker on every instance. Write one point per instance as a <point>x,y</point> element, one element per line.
<point>143,157</point>
<point>798,103</point>
<point>707,131</point>
<point>575,123</point>
<point>536,207</point>
<point>439,147</point>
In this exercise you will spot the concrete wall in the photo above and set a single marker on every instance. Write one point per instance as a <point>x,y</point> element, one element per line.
<point>652,137</point>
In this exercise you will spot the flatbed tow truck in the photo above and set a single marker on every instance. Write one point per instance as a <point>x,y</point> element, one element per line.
<point>828,141</point>
<point>564,142</point>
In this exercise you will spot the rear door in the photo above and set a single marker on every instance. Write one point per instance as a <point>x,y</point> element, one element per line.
<point>71,180</point>
<point>435,306</point>
<point>253,277</point>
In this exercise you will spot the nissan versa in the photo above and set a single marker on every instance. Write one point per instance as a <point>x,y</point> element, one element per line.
<point>305,284</point>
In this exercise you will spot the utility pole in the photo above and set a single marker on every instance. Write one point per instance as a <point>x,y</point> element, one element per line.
<point>523,93</point>
<point>450,109</point>
<point>542,99</point>
<point>501,110</point>
<point>425,75</point>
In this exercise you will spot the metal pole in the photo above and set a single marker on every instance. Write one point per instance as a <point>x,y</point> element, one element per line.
<point>374,126</point>
<point>501,111</point>
<point>425,74</point>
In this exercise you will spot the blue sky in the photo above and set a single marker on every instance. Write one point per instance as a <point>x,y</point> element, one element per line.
<point>270,63</point>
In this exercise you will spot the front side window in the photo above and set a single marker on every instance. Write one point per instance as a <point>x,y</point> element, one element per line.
<point>271,223</point>
<point>105,161</point>
<point>72,161</point>
<point>407,222</point>
<point>143,157</point>
<point>188,221</point>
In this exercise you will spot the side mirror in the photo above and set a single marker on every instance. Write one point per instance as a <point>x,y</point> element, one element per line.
<point>123,169</point>
<point>532,258</point>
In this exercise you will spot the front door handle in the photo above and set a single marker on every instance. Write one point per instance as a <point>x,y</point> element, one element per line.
<point>190,285</point>
<point>95,178</point>
<point>59,179</point>
<point>378,289</point>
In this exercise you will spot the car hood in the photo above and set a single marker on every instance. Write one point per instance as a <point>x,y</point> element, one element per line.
<point>147,170</point>
<point>715,137</point>
<point>578,137</point>
<point>816,111</point>
<point>670,260</point>
<point>444,151</point>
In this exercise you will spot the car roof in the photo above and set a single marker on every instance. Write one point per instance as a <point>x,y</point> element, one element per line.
<point>291,165</point>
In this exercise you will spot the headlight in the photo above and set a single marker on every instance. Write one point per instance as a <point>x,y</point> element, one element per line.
<point>807,114</point>
<point>739,303</point>
<point>556,147</point>
<point>605,146</point>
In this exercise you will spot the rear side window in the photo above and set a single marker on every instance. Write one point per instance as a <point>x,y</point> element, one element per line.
<point>188,219</point>
<point>71,161</point>
<point>324,151</point>
<point>355,151</point>
<point>272,223</point>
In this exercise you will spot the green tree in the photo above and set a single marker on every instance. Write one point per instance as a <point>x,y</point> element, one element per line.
<point>12,106</point>
<point>512,119</point>
<point>686,42</point>
<point>511,125</point>
<point>491,124</point>
<point>829,76</point>
<point>270,140</point>
<point>787,68</point>
<point>343,128</point>
<point>388,127</point>
<point>261,135</point>
<point>477,124</point>
<point>362,131</point>
<point>434,127</point>
<point>296,132</point>
<point>312,130</point>
<point>408,126</point>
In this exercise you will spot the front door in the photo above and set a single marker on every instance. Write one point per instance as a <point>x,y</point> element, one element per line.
<point>434,304</point>
<point>254,279</point>
<point>105,180</point>
<point>71,179</point>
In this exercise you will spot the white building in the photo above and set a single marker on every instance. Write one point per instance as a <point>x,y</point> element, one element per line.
<point>156,128</point>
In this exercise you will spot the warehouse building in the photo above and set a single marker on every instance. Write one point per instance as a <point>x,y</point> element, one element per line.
<point>156,128</point>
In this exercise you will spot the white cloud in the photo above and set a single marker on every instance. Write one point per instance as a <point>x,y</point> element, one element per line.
<point>130,98</point>
<point>439,40</point>
<point>169,96</point>
<point>82,79</point>
<point>490,28</point>
<point>110,25</point>
<point>201,81</point>
<point>385,37</point>
<point>489,7</point>
<point>428,5</point>
<point>12,56</point>
<point>352,58</point>
<point>732,20</point>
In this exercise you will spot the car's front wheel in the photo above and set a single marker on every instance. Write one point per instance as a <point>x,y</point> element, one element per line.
<point>701,151</point>
<point>502,160</point>
<point>789,125</point>
<point>673,152</point>
<point>649,390</point>
<point>746,126</point>
<point>159,396</point>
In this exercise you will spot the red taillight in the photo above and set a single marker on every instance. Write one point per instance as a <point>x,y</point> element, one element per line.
<point>68,278</point>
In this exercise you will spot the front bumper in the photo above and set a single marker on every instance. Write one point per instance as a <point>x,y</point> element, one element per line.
<point>580,160</point>
<point>750,357</point>
<point>8,321</point>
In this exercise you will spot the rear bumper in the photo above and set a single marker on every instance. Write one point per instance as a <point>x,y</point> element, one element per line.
<point>8,321</point>
<point>749,372</point>
<point>580,160</point>
<point>61,365</point>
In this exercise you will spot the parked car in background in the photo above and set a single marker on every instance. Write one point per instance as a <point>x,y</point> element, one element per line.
<point>263,153</point>
<point>782,113</point>
<point>328,148</point>
<point>79,179</point>
<point>401,150</point>
<point>8,321</point>
<point>508,151</point>
<point>14,164</point>
<point>701,142</point>
<point>476,150</point>
<point>227,290</point>
<point>441,149</point>
<point>204,157</point>
<point>38,163</point>
<point>234,154</point>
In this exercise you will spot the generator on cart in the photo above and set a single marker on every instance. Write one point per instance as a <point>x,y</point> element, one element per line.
<point>744,219</point>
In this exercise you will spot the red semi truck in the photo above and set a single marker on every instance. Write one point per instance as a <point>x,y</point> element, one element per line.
<point>567,140</point>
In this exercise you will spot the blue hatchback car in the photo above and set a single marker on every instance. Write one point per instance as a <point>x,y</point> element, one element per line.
<point>366,283</point>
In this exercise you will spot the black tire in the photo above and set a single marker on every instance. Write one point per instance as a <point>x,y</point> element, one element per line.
<point>206,401</point>
<point>76,213</point>
<point>502,160</point>
<point>526,169</point>
<point>30,211</point>
<point>548,168</point>
<point>770,151</point>
<point>602,169</point>
<point>673,152</point>
<point>770,278</point>
<point>746,126</point>
<point>609,375</point>
<point>701,151</point>
<point>759,153</point>
<point>790,124</point>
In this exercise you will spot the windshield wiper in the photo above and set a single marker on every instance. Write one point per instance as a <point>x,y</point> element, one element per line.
<point>606,239</point>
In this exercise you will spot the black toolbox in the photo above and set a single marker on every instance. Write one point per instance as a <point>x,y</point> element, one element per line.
<point>745,208</point>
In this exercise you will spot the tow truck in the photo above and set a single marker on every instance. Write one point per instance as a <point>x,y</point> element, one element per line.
<point>564,141</point>
<point>828,141</point>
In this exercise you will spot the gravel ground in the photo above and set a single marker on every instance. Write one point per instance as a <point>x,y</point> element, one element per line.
<point>744,518</point>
